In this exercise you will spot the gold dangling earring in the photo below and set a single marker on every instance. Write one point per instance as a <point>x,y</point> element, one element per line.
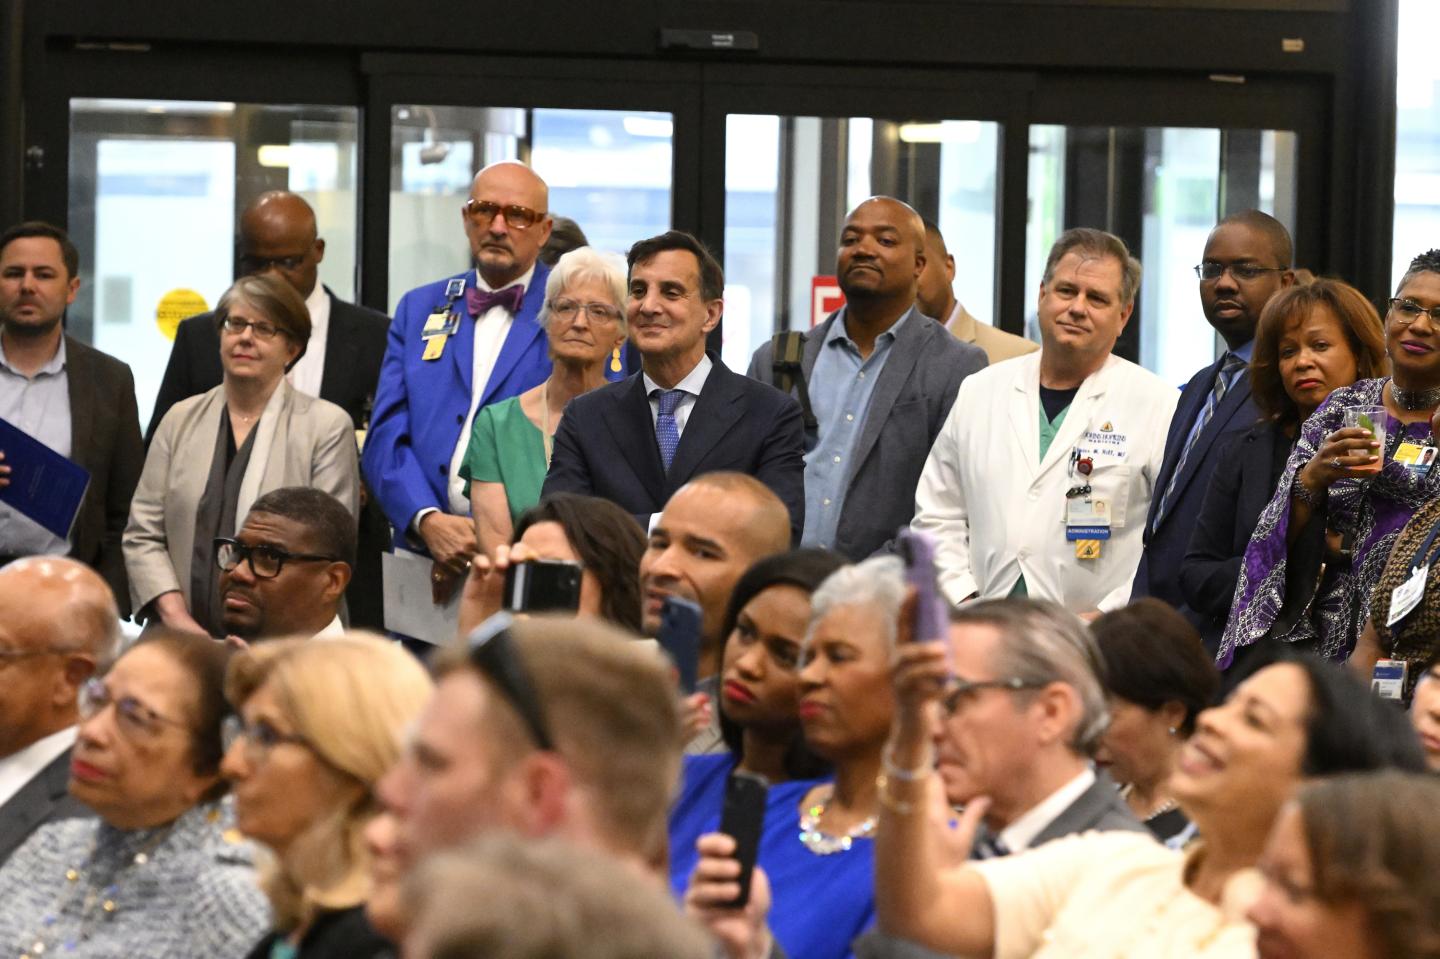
<point>615,360</point>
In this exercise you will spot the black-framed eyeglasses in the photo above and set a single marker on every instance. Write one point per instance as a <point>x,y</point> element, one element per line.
<point>131,716</point>
<point>263,329</point>
<point>1211,270</point>
<point>250,264</point>
<point>492,651</point>
<point>1411,310</point>
<point>961,691</point>
<point>260,737</point>
<point>266,562</point>
<point>482,213</point>
<point>567,310</point>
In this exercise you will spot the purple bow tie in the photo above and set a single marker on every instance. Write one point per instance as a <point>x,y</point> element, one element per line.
<point>479,301</point>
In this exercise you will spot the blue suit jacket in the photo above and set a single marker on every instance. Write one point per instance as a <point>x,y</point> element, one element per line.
<point>605,446</point>
<point>420,406</point>
<point>1166,545</point>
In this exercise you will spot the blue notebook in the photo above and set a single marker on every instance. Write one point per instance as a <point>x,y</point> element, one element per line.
<point>45,486</point>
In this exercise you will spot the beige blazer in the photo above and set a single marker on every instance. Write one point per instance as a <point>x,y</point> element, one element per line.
<point>301,441</point>
<point>997,344</point>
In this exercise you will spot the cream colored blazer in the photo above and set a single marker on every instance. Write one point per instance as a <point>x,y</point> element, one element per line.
<point>301,441</point>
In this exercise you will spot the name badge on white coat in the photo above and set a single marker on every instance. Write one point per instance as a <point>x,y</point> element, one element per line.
<point>1107,442</point>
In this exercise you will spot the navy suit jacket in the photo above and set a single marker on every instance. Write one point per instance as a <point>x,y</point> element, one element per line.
<point>43,799</point>
<point>1166,544</point>
<point>421,405</point>
<point>606,446</point>
<point>1247,467</point>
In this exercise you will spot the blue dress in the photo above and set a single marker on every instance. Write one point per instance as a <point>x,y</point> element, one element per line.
<point>820,903</point>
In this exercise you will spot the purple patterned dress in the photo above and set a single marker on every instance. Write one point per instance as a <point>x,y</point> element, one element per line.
<point>1371,510</point>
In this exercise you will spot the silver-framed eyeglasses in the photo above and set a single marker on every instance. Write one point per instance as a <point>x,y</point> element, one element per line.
<point>1411,311</point>
<point>131,715</point>
<point>567,309</point>
<point>260,737</point>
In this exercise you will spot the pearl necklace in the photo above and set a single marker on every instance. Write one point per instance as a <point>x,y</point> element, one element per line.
<point>824,844</point>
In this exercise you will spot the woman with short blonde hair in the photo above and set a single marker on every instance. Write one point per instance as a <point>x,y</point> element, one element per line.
<point>319,722</point>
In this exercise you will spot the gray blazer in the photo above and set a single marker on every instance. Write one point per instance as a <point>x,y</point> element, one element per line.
<point>301,441</point>
<point>1099,808</point>
<point>43,799</point>
<point>911,401</point>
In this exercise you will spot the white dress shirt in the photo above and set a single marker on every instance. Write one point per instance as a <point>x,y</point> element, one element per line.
<point>18,769</point>
<point>333,629</point>
<point>692,384</point>
<point>309,372</point>
<point>1022,832</point>
<point>490,331</point>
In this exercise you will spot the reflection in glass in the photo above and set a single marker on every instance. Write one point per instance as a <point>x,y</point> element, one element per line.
<point>156,187</point>
<point>609,170</point>
<point>1417,140</point>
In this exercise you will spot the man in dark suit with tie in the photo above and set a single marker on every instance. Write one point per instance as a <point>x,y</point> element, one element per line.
<point>58,626</point>
<point>638,441</point>
<point>1246,262</point>
<point>279,235</point>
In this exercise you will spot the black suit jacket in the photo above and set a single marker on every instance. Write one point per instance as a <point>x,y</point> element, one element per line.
<point>1166,542</point>
<point>354,350</point>
<point>911,401</point>
<point>105,439</point>
<point>43,799</point>
<point>1247,467</point>
<point>606,446</point>
<point>1098,808</point>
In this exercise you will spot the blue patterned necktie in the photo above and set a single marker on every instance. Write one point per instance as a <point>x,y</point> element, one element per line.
<point>667,431</point>
<point>1228,367</point>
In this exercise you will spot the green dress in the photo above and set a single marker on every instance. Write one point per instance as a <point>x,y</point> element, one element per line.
<point>505,447</point>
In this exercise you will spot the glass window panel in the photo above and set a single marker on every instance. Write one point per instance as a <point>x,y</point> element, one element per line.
<point>1191,178</point>
<point>609,170</point>
<point>156,187</point>
<point>1417,141</point>
<point>791,180</point>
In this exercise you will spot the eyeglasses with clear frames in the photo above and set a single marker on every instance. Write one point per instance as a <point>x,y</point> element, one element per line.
<point>260,737</point>
<point>132,717</point>
<point>263,329</point>
<point>959,692</point>
<point>567,310</point>
<point>1411,311</point>
<point>1244,272</point>
<point>482,213</point>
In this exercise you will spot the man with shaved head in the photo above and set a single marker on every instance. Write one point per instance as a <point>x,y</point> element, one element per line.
<point>713,529</point>
<point>880,380</point>
<point>456,345</point>
<point>58,626</point>
<point>278,235</point>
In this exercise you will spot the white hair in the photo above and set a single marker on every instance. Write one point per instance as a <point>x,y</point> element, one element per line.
<point>582,265</point>
<point>878,582</point>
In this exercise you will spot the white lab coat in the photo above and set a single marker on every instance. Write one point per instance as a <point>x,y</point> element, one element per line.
<point>997,511</point>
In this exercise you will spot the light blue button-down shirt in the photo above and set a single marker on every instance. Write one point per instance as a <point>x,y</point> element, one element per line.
<point>840,384</point>
<point>38,405</point>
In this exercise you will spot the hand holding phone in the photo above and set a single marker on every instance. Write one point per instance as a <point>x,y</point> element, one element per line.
<point>542,585</point>
<point>679,636</point>
<point>917,550</point>
<point>742,819</point>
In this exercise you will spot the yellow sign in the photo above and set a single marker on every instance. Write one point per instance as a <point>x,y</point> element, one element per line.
<point>176,306</point>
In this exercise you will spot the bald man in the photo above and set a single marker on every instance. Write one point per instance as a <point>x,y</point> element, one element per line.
<point>278,235</point>
<point>456,345</point>
<point>58,626</point>
<point>881,380</point>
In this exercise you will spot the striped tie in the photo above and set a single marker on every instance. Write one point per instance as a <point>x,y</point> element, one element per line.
<point>1228,367</point>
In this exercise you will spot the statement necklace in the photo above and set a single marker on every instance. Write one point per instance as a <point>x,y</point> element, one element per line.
<point>48,938</point>
<point>1415,399</point>
<point>824,844</point>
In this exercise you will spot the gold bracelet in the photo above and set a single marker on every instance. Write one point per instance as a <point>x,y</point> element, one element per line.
<point>887,762</point>
<point>882,792</point>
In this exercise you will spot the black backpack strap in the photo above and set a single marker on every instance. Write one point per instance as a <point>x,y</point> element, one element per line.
<point>787,349</point>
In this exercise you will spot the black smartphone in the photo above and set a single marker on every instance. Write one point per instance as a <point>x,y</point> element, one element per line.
<point>542,585</point>
<point>742,819</point>
<point>680,638</point>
